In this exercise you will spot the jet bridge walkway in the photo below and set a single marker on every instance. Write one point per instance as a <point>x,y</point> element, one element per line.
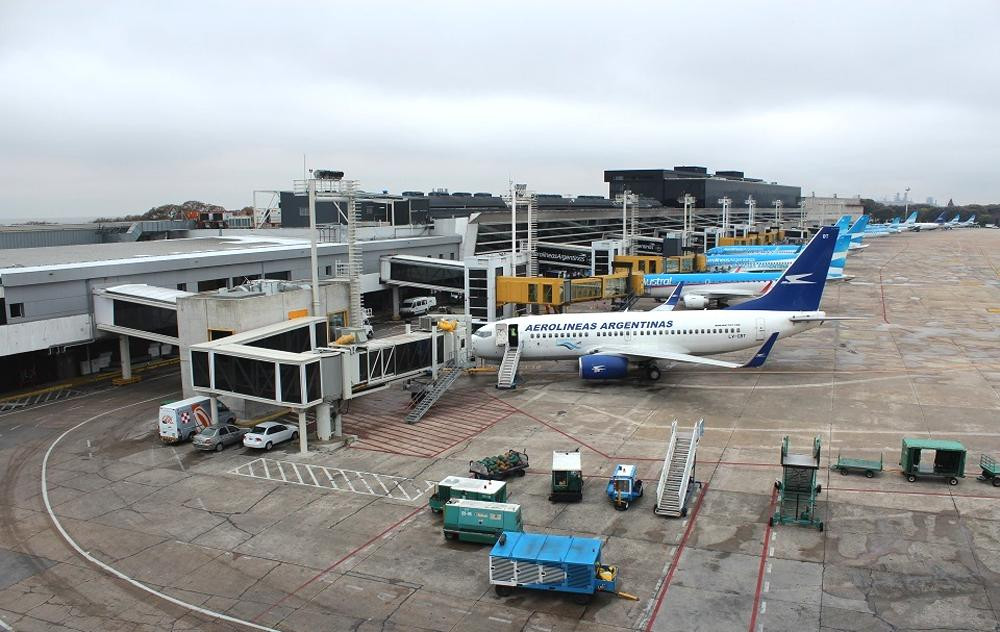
<point>429,273</point>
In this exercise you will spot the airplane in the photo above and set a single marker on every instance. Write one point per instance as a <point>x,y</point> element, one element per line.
<point>605,344</point>
<point>954,223</point>
<point>843,224</point>
<point>969,223</point>
<point>778,261</point>
<point>930,225</point>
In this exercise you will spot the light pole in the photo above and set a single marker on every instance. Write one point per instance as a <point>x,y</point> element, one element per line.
<point>688,201</point>
<point>725,202</point>
<point>906,202</point>
<point>751,205</point>
<point>777,212</point>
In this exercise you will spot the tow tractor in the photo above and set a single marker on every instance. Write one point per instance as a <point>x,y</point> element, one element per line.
<point>624,488</point>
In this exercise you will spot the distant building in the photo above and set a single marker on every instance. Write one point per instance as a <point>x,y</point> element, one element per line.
<point>669,185</point>
<point>826,210</point>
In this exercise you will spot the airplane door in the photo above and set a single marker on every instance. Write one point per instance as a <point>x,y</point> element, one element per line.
<point>761,329</point>
<point>511,335</point>
<point>501,336</point>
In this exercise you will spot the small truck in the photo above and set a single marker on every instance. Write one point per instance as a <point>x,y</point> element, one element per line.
<point>554,563</point>
<point>624,488</point>
<point>458,487</point>
<point>567,477</point>
<point>478,521</point>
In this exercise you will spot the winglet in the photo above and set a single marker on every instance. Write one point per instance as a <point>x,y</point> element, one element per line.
<point>672,301</point>
<point>761,356</point>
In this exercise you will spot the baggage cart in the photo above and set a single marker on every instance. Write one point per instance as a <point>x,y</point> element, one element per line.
<point>990,468</point>
<point>554,563</point>
<point>499,467</point>
<point>478,521</point>
<point>869,467</point>
<point>624,488</point>
<point>932,458</point>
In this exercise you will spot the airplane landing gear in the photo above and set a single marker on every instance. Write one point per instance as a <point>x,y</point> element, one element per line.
<point>652,372</point>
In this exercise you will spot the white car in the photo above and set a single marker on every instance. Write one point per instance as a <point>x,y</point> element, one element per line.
<point>417,306</point>
<point>268,434</point>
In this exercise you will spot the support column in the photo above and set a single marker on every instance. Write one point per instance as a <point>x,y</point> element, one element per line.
<point>126,357</point>
<point>395,302</point>
<point>338,423</point>
<point>323,421</point>
<point>303,443</point>
<point>214,403</point>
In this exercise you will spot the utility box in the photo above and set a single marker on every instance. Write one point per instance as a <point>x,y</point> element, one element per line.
<point>458,488</point>
<point>567,477</point>
<point>479,521</point>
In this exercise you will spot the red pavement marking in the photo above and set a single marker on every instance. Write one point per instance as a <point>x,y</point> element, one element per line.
<point>763,560</point>
<point>909,493</point>
<point>340,561</point>
<point>677,558</point>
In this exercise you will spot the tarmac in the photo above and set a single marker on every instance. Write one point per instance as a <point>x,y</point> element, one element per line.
<point>341,538</point>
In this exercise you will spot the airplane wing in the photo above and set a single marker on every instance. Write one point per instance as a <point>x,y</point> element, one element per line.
<point>710,293</point>
<point>819,319</point>
<point>640,354</point>
<point>672,301</point>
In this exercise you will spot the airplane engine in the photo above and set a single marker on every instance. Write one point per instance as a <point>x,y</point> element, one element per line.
<point>695,301</point>
<point>603,367</point>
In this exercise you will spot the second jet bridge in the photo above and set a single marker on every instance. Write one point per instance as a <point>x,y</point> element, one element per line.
<point>443,275</point>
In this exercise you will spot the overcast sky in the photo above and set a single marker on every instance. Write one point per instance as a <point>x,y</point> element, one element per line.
<point>107,108</point>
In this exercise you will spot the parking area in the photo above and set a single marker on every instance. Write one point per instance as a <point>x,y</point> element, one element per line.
<point>341,539</point>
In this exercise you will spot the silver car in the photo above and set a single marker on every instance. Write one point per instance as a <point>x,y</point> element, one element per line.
<point>218,436</point>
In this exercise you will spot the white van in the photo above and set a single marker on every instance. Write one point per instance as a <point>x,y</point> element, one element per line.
<point>417,306</point>
<point>179,421</point>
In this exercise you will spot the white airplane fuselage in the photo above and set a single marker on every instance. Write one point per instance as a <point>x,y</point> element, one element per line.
<point>568,336</point>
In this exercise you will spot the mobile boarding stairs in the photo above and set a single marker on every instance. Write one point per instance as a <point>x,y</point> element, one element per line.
<point>673,490</point>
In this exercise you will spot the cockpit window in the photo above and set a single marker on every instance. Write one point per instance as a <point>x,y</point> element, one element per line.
<point>483,332</point>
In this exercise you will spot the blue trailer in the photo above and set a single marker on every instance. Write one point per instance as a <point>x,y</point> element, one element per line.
<point>557,563</point>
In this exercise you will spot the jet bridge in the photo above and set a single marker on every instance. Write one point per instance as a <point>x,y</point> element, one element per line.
<point>442,275</point>
<point>291,365</point>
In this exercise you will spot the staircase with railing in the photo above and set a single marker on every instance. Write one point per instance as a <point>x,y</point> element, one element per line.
<point>677,474</point>
<point>507,375</point>
<point>447,375</point>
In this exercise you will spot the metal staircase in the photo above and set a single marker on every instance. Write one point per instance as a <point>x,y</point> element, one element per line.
<point>507,375</point>
<point>677,475</point>
<point>432,392</point>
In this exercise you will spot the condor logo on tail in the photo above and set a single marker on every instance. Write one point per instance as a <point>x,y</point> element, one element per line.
<point>797,279</point>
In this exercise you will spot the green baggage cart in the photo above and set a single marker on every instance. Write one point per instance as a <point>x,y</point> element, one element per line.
<point>932,458</point>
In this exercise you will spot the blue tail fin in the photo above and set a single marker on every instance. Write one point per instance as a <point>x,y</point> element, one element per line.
<point>843,223</point>
<point>955,221</point>
<point>940,219</point>
<point>800,287</point>
<point>895,221</point>
<point>912,218</point>
<point>859,226</point>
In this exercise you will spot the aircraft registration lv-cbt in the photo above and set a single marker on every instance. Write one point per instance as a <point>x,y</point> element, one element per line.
<point>606,343</point>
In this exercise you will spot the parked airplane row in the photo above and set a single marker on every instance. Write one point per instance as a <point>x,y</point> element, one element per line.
<point>606,344</point>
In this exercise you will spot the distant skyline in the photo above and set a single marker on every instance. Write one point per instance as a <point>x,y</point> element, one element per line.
<point>114,107</point>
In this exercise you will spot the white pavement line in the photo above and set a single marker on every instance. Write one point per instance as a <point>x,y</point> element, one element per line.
<point>281,471</point>
<point>330,476</point>
<point>297,474</point>
<point>767,586</point>
<point>267,470</point>
<point>763,607</point>
<point>499,620</point>
<point>365,481</point>
<point>109,569</point>
<point>4,626</point>
<point>178,458</point>
<point>379,480</point>
<point>342,473</point>
<point>310,470</point>
<point>15,427</point>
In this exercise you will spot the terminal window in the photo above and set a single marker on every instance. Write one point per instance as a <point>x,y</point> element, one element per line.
<point>17,310</point>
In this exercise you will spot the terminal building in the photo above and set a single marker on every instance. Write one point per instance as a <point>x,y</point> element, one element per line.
<point>669,186</point>
<point>75,300</point>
